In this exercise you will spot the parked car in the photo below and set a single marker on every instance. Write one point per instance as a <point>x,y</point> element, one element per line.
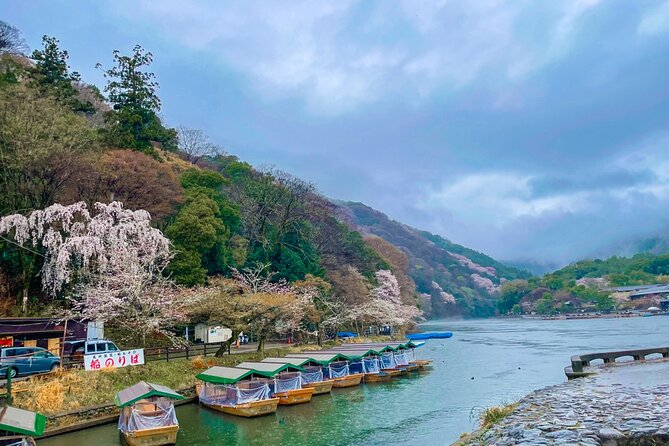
<point>27,361</point>
<point>75,350</point>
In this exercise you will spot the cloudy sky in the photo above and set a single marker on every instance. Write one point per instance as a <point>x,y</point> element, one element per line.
<point>530,130</point>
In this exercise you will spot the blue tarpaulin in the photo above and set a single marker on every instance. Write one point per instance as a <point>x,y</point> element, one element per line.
<point>433,335</point>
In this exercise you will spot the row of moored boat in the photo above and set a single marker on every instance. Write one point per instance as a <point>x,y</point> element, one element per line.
<point>253,389</point>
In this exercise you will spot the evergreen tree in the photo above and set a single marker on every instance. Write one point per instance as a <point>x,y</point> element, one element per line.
<point>134,122</point>
<point>51,75</point>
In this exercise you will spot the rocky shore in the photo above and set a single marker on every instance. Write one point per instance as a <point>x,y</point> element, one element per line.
<point>625,404</point>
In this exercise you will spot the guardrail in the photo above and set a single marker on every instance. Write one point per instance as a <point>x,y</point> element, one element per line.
<point>578,362</point>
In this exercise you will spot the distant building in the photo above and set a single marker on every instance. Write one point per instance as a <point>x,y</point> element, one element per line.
<point>650,291</point>
<point>212,333</point>
<point>45,332</point>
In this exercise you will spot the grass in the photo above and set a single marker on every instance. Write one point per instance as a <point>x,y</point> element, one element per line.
<point>493,415</point>
<point>70,390</point>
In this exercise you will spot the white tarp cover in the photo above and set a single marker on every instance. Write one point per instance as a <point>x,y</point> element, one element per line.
<point>312,377</point>
<point>225,395</point>
<point>371,365</point>
<point>339,370</point>
<point>22,442</point>
<point>388,360</point>
<point>138,418</point>
<point>400,358</point>
<point>287,383</point>
<point>410,354</point>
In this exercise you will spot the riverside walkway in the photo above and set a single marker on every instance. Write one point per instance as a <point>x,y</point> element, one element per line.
<point>622,404</point>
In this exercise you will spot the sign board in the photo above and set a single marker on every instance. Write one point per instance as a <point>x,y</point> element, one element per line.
<point>114,360</point>
<point>7,341</point>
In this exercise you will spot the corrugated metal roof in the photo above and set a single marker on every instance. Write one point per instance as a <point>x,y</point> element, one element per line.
<point>269,367</point>
<point>661,289</point>
<point>228,375</point>
<point>321,358</point>
<point>288,360</point>
<point>143,390</point>
<point>22,421</point>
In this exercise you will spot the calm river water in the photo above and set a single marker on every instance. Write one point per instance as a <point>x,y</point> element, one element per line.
<point>486,362</point>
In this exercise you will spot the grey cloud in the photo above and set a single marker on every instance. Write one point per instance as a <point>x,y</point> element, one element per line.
<point>546,186</point>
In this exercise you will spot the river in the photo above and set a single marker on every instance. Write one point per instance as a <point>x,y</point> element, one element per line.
<point>486,362</point>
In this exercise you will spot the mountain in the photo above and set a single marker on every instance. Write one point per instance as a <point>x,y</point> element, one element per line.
<point>452,279</point>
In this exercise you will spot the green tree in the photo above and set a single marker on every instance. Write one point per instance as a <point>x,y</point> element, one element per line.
<point>201,236</point>
<point>134,122</point>
<point>545,304</point>
<point>510,294</point>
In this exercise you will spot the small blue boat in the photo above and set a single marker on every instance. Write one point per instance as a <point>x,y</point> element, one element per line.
<point>432,335</point>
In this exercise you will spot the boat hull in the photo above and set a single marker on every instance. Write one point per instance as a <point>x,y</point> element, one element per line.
<point>412,367</point>
<point>348,381</point>
<point>248,410</point>
<point>377,377</point>
<point>157,436</point>
<point>321,387</point>
<point>291,397</point>
<point>422,363</point>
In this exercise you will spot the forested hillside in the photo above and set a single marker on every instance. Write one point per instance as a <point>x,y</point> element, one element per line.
<point>583,285</point>
<point>108,212</point>
<point>452,279</point>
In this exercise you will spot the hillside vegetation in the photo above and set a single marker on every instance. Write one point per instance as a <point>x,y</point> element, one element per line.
<point>584,285</point>
<point>452,279</point>
<point>258,250</point>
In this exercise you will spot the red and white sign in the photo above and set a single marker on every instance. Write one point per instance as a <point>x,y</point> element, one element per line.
<point>114,360</point>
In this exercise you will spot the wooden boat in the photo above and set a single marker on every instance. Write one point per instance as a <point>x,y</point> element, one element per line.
<point>149,405</point>
<point>221,384</point>
<point>412,367</point>
<point>292,397</point>
<point>321,387</point>
<point>348,380</point>
<point>23,423</point>
<point>247,410</point>
<point>376,377</point>
<point>422,363</point>
<point>309,366</point>
<point>295,393</point>
<point>152,437</point>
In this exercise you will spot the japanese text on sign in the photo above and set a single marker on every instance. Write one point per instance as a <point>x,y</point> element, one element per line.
<point>118,359</point>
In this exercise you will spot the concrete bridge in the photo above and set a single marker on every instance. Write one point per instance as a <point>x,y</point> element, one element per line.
<point>580,364</point>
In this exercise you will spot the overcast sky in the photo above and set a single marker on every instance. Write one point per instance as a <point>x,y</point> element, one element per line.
<point>524,129</point>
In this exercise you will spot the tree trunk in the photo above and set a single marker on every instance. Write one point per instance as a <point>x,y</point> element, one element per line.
<point>320,334</point>
<point>27,267</point>
<point>228,344</point>
<point>261,344</point>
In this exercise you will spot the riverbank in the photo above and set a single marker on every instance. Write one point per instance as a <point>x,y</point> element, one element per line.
<point>74,399</point>
<point>622,404</point>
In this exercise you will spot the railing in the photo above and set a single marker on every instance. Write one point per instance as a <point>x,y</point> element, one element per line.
<point>188,352</point>
<point>578,362</point>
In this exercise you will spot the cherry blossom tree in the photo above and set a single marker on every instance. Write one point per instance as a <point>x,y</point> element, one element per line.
<point>258,279</point>
<point>75,243</point>
<point>138,302</point>
<point>385,305</point>
<point>109,264</point>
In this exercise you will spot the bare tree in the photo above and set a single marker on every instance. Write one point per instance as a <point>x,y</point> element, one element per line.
<point>195,145</point>
<point>11,40</point>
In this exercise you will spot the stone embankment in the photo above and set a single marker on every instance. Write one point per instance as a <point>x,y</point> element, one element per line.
<point>623,404</point>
